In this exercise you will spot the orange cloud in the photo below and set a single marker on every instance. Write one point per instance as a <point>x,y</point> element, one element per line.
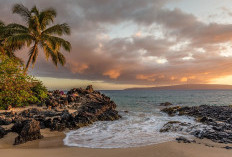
<point>78,67</point>
<point>172,78</point>
<point>113,74</point>
<point>146,77</point>
<point>184,79</point>
<point>138,34</point>
<point>191,77</point>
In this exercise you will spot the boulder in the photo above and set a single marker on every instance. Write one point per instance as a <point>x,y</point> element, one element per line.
<point>28,131</point>
<point>183,139</point>
<point>3,132</point>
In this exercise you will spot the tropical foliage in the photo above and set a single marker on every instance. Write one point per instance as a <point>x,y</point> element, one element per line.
<point>39,90</point>
<point>16,88</point>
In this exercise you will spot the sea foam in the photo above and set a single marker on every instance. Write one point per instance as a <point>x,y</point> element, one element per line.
<point>133,130</point>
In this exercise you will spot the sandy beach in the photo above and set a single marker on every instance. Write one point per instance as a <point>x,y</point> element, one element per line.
<point>52,145</point>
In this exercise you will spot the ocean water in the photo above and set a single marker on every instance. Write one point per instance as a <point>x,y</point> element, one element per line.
<point>141,124</point>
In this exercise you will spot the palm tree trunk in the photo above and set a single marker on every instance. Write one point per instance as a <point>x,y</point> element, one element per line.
<point>30,58</point>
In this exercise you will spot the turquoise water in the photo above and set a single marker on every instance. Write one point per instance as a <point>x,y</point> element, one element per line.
<point>140,126</point>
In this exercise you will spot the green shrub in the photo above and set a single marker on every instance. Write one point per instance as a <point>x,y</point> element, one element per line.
<point>39,90</point>
<point>16,88</point>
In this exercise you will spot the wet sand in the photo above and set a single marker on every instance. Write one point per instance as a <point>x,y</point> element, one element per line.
<point>52,146</point>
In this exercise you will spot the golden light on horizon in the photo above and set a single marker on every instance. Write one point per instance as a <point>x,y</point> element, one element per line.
<point>222,80</point>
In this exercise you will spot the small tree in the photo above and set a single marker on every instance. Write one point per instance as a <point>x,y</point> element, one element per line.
<point>39,90</point>
<point>15,87</point>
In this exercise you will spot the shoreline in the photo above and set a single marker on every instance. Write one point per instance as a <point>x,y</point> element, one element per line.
<point>59,121</point>
<point>52,145</point>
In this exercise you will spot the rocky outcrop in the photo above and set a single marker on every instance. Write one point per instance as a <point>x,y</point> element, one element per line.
<point>86,106</point>
<point>90,106</point>
<point>219,118</point>
<point>27,130</point>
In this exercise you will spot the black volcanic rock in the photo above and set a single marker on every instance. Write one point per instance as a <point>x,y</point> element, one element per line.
<point>89,88</point>
<point>217,117</point>
<point>183,139</point>
<point>3,132</point>
<point>28,131</point>
<point>87,106</point>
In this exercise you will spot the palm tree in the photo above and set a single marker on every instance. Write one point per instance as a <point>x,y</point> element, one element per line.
<point>37,34</point>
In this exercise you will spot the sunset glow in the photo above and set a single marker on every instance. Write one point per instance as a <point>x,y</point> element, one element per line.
<point>136,43</point>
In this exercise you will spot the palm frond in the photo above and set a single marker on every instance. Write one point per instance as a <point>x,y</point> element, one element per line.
<point>61,58</point>
<point>46,17</point>
<point>22,11</point>
<point>51,53</point>
<point>13,46</point>
<point>15,29</point>
<point>59,42</point>
<point>35,11</point>
<point>17,26</point>
<point>34,26</point>
<point>59,29</point>
<point>19,39</point>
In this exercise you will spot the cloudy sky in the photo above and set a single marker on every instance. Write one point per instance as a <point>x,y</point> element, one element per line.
<point>118,44</point>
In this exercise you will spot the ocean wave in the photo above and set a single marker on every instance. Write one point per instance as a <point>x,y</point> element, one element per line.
<point>135,129</point>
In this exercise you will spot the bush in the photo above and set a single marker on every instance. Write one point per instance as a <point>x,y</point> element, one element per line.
<point>39,90</point>
<point>18,89</point>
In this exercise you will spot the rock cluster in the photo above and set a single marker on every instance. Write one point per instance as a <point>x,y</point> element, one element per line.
<point>78,108</point>
<point>219,118</point>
